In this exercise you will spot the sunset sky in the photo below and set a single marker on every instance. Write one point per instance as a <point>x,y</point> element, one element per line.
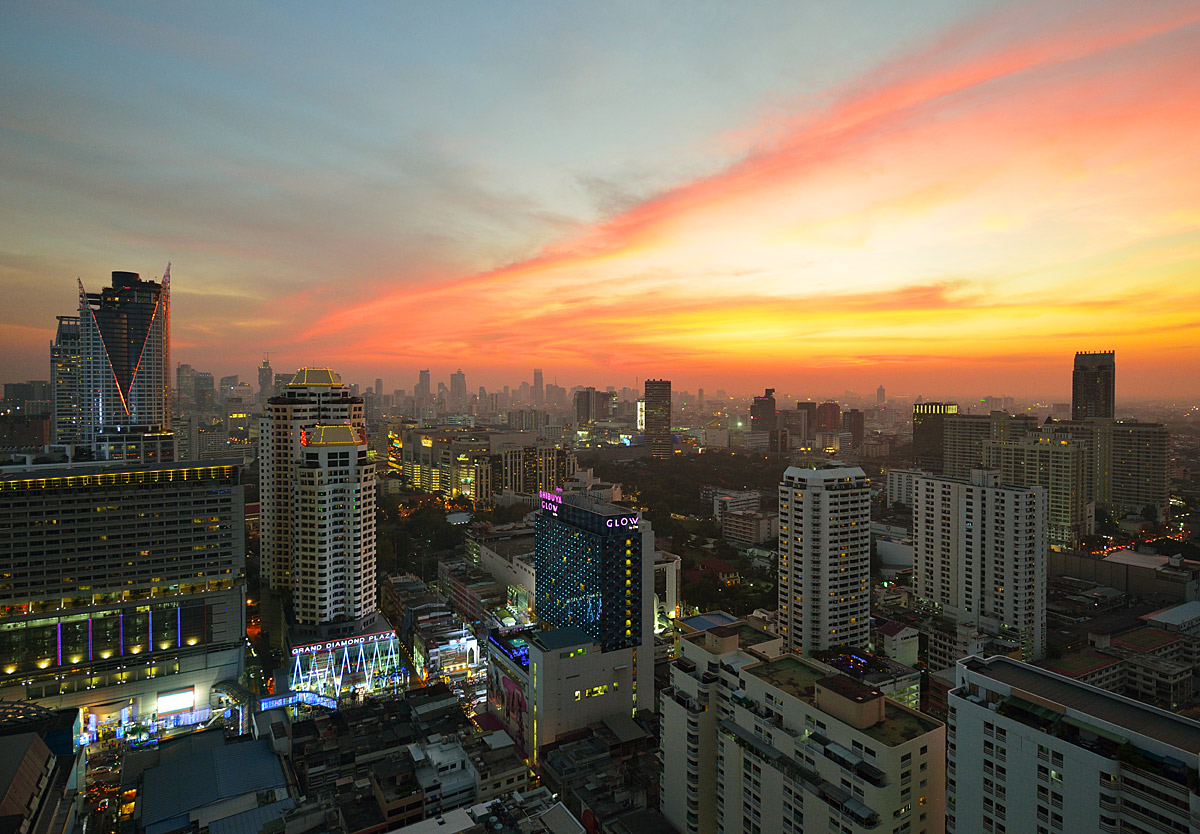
<point>948,198</point>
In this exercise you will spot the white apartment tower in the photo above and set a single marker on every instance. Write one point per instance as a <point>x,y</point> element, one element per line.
<point>315,396</point>
<point>1031,751</point>
<point>824,557</point>
<point>333,533</point>
<point>980,555</point>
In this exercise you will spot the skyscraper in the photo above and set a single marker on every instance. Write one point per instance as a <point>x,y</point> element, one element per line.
<point>658,418</point>
<point>880,396</point>
<point>980,555</point>
<point>458,390</point>
<point>65,370</point>
<point>762,412</point>
<point>855,422</point>
<point>594,565</point>
<point>928,422</point>
<point>1093,385</point>
<point>829,416</point>
<point>125,362</point>
<point>539,390</point>
<point>266,380</point>
<point>824,557</point>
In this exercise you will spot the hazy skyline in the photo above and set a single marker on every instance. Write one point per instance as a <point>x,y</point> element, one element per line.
<point>945,197</point>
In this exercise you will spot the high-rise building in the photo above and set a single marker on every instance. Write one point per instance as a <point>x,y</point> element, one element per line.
<point>700,400</point>
<point>66,364</point>
<point>539,390</point>
<point>315,396</point>
<point>762,412</point>
<point>829,416</point>
<point>1093,385</point>
<point>266,380</point>
<point>594,565</point>
<point>754,741</point>
<point>855,422</point>
<point>928,424</point>
<point>205,394</point>
<point>1060,466</point>
<point>824,558</point>
<point>658,418</point>
<point>125,365</point>
<point>122,588</point>
<point>1034,751</point>
<point>980,553</point>
<point>964,435</point>
<point>458,390</point>
<point>807,427</point>
<point>880,396</point>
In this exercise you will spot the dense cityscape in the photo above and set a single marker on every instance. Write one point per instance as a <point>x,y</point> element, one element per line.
<point>772,418</point>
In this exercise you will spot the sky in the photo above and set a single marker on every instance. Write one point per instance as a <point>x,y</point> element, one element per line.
<point>948,198</point>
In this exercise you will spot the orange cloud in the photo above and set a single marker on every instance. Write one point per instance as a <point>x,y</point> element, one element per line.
<point>1025,182</point>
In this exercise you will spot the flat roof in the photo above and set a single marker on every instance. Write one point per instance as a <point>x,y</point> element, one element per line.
<point>1082,662</point>
<point>561,638</point>
<point>1117,710</point>
<point>1145,639</point>
<point>1178,615</point>
<point>710,619</point>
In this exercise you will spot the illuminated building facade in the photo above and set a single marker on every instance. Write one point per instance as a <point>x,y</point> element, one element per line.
<point>824,558</point>
<point>658,418</point>
<point>928,425</point>
<point>125,368</point>
<point>1094,385</point>
<point>65,370</point>
<point>1058,465</point>
<point>121,588</point>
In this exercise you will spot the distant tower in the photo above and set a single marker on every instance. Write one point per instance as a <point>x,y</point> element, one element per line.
<point>880,396</point>
<point>829,416</point>
<point>125,368</point>
<point>539,390</point>
<point>762,412</point>
<point>929,425</point>
<point>824,558</point>
<point>458,390</point>
<point>1093,385</point>
<point>658,418</point>
<point>266,380</point>
<point>65,368</point>
<point>700,400</point>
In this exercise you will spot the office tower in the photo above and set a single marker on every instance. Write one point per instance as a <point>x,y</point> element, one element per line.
<point>855,422</point>
<point>592,405</point>
<point>980,552</point>
<point>1037,752</point>
<point>963,437</point>
<point>122,587</point>
<point>880,396</point>
<point>185,387</point>
<point>1060,466</point>
<point>928,422</point>
<point>125,362</point>
<point>539,391</point>
<point>754,741</point>
<point>810,418</point>
<point>333,562</point>
<point>658,418</point>
<point>458,390</point>
<point>227,384</point>
<point>266,380</point>
<point>762,412</point>
<point>66,363</point>
<point>824,558</point>
<point>423,392</point>
<point>315,396</point>
<point>379,386</point>
<point>205,394</point>
<point>700,400</point>
<point>1094,385</point>
<point>829,416</point>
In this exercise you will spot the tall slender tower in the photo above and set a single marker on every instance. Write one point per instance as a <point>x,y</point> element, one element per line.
<point>658,418</point>
<point>1093,385</point>
<point>65,369</point>
<point>539,390</point>
<point>824,557</point>
<point>125,368</point>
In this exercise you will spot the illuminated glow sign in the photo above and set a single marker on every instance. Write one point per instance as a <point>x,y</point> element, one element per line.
<point>341,644</point>
<point>311,698</point>
<point>179,700</point>
<point>623,521</point>
<point>550,501</point>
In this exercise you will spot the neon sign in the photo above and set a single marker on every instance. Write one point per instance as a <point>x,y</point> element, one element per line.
<point>311,698</point>
<point>550,501</point>
<point>341,644</point>
<point>623,521</point>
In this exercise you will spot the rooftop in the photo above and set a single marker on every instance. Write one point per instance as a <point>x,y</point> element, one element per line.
<point>316,376</point>
<point>562,638</point>
<point>1080,663</point>
<point>797,678</point>
<point>339,435</point>
<point>1145,639</point>
<point>703,622</point>
<point>1177,615</point>
<point>1116,710</point>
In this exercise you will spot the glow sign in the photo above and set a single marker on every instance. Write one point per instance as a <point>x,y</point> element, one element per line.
<point>623,521</point>
<point>180,700</point>
<point>550,501</point>
<point>311,698</point>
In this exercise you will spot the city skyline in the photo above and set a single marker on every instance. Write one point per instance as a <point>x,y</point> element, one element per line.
<point>953,201</point>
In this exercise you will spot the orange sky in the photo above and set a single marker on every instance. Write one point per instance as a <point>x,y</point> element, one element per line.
<point>977,211</point>
<point>958,219</point>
